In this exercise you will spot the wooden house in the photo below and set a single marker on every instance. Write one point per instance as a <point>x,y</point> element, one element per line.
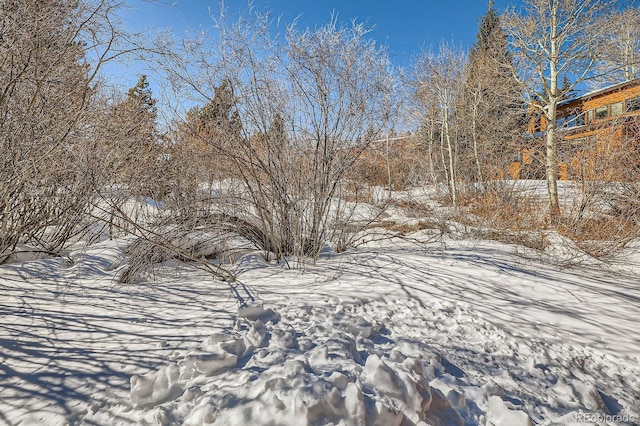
<point>599,136</point>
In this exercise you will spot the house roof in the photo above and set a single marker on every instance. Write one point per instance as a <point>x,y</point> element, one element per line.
<point>597,92</point>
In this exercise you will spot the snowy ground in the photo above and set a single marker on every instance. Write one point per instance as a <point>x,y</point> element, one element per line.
<point>455,333</point>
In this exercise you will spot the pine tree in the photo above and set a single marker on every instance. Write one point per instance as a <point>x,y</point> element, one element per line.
<point>211,131</point>
<point>134,119</point>
<point>141,105</point>
<point>140,96</point>
<point>219,116</point>
<point>492,100</point>
<point>489,33</point>
<point>134,137</point>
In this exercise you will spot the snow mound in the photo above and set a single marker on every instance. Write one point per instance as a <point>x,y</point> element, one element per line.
<point>327,370</point>
<point>379,363</point>
<point>152,389</point>
<point>384,341</point>
<point>501,415</point>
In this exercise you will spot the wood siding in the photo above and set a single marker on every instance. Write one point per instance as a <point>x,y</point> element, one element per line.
<point>591,146</point>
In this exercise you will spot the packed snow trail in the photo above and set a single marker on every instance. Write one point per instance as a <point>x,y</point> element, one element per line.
<point>382,362</point>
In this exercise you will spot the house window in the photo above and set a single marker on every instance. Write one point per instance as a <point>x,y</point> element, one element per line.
<point>602,112</point>
<point>589,116</point>
<point>633,105</point>
<point>616,109</point>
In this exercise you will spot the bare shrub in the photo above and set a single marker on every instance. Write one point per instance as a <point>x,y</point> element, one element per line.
<point>627,203</point>
<point>284,120</point>
<point>190,242</point>
<point>46,120</point>
<point>405,228</point>
<point>411,208</point>
<point>603,218</point>
<point>501,206</point>
<point>505,212</point>
<point>603,237</point>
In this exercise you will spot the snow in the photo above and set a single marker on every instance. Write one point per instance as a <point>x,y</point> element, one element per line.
<point>501,415</point>
<point>155,388</point>
<point>392,333</point>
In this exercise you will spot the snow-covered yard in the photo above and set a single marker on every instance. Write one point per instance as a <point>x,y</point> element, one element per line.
<point>393,333</point>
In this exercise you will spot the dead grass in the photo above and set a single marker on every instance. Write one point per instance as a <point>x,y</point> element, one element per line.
<point>405,228</point>
<point>412,208</point>
<point>601,237</point>
<point>535,239</point>
<point>398,164</point>
<point>503,210</point>
<point>504,215</point>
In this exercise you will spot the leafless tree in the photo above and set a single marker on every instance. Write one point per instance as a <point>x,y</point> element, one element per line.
<point>553,39</point>
<point>44,94</point>
<point>438,80</point>
<point>620,59</point>
<point>51,110</point>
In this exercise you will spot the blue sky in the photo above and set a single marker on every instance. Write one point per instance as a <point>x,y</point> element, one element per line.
<point>405,26</point>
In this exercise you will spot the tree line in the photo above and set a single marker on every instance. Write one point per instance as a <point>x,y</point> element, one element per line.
<point>279,143</point>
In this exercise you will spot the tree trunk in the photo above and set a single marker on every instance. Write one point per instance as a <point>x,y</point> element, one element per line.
<point>432,168</point>
<point>552,163</point>
<point>452,170</point>
<point>474,135</point>
<point>552,107</point>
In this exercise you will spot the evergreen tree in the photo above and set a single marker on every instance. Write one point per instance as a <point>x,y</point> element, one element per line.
<point>277,133</point>
<point>489,36</point>
<point>134,119</point>
<point>492,100</point>
<point>210,131</point>
<point>140,96</point>
<point>220,116</point>
<point>141,106</point>
<point>565,87</point>
<point>134,137</point>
